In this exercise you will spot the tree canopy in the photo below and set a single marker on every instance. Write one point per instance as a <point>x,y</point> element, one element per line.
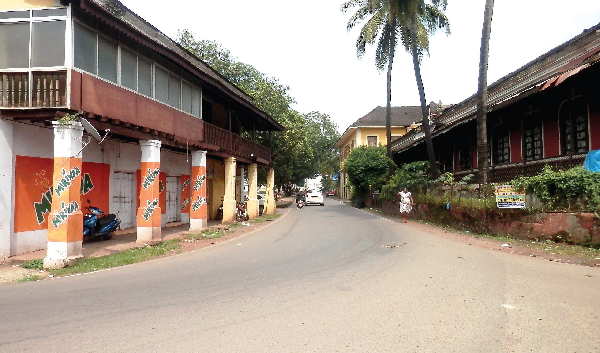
<point>367,169</point>
<point>306,147</point>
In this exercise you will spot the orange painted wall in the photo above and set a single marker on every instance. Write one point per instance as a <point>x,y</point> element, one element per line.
<point>33,179</point>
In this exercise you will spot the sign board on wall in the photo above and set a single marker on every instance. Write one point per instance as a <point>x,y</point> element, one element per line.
<point>506,197</point>
<point>33,190</point>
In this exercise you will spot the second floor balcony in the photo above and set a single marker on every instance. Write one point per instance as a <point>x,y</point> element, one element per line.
<point>41,95</point>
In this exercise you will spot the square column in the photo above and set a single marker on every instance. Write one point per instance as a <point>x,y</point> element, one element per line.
<point>252,205</point>
<point>270,196</point>
<point>149,212</point>
<point>65,222</point>
<point>229,204</point>
<point>199,208</point>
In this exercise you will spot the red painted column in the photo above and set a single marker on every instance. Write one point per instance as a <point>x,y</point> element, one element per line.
<point>65,222</point>
<point>149,212</point>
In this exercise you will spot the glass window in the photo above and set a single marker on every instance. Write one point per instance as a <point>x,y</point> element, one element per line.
<point>128,69</point>
<point>13,14</point>
<point>49,12</point>
<point>144,77</point>
<point>174,91</point>
<point>107,59</point>
<point>186,97</point>
<point>48,44</point>
<point>161,85</point>
<point>85,49</point>
<point>196,99</point>
<point>14,45</point>
<point>371,141</point>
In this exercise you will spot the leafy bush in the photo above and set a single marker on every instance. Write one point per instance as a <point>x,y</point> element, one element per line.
<point>410,175</point>
<point>367,169</point>
<point>572,189</point>
<point>37,264</point>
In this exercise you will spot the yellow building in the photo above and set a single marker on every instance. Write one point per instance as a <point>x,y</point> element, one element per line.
<point>370,130</point>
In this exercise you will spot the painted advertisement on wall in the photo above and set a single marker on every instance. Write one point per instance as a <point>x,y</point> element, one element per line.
<point>33,190</point>
<point>162,193</point>
<point>185,194</point>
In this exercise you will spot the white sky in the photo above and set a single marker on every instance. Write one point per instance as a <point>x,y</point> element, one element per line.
<point>305,45</point>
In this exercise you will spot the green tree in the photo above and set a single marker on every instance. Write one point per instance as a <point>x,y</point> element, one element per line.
<point>482,143</point>
<point>411,21</point>
<point>410,175</point>
<point>367,169</point>
<point>424,18</point>
<point>381,21</point>
<point>304,148</point>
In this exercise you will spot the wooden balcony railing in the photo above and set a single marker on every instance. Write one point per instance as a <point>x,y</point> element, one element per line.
<point>49,90</point>
<point>234,143</point>
<point>14,90</point>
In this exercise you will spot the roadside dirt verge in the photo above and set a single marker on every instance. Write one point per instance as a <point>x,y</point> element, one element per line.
<point>546,251</point>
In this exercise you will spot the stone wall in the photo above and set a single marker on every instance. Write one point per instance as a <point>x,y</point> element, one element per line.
<point>574,228</point>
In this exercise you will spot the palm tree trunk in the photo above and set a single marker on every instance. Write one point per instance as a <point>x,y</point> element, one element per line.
<point>433,169</point>
<point>388,110</point>
<point>482,142</point>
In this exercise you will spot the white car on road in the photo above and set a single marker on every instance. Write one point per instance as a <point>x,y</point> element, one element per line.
<point>314,197</point>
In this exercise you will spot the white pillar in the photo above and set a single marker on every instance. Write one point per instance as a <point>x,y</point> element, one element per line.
<point>252,204</point>
<point>7,183</point>
<point>229,204</point>
<point>65,221</point>
<point>270,196</point>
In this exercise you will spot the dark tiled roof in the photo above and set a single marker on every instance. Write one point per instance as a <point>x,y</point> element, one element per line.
<point>401,116</point>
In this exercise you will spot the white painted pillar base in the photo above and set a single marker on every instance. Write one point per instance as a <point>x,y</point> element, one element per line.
<point>198,224</point>
<point>61,254</point>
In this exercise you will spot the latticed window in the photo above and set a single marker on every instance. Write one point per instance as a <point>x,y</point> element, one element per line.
<point>533,145</point>
<point>501,146</point>
<point>573,117</point>
<point>464,155</point>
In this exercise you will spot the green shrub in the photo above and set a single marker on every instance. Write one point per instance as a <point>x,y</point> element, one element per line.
<point>571,189</point>
<point>37,264</point>
<point>410,175</point>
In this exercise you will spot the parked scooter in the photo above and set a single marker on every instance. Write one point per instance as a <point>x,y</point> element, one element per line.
<point>97,225</point>
<point>241,213</point>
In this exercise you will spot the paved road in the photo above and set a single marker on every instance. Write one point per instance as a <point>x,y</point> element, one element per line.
<point>320,279</point>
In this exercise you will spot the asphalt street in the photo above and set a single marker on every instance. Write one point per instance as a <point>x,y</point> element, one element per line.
<point>319,279</point>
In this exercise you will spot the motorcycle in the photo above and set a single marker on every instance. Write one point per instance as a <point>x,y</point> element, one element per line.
<point>300,203</point>
<point>98,225</point>
<point>241,213</point>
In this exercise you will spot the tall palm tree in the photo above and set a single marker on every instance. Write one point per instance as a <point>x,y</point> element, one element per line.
<point>412,21</point>
<point>482,143</point>
<point>383,22</point>
<point>424,18</point>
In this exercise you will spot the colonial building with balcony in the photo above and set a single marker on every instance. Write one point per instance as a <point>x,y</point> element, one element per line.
<point>98,107</point>
<point>545,113</point>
